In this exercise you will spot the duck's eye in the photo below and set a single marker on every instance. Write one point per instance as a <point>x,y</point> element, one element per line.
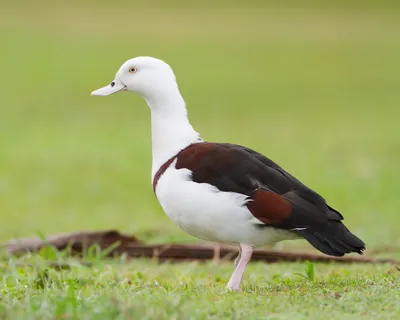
<point>132,69</point>
<point>112,84</point>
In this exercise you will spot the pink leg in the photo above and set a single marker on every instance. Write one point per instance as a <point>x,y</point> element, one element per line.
<point>238,257</point>
<point>236,278</point>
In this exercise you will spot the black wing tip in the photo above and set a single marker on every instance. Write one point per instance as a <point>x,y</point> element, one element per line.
<point>334,240</point>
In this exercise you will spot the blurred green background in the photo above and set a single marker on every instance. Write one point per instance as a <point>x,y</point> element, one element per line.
<point>314,87</point>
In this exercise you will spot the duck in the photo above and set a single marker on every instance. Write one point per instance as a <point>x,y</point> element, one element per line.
<point>223,192</point>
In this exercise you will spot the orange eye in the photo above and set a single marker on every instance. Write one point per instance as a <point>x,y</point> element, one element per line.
<point>132,69</point>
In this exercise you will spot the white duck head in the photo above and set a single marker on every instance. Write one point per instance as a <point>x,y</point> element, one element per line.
<point>155,81</point>
<point>152,78</point>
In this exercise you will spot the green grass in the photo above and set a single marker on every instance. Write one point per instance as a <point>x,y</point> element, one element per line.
<point>148,290</point>
<point>314,88</point>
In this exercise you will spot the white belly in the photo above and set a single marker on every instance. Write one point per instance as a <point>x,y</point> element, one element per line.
<point>203,211</point>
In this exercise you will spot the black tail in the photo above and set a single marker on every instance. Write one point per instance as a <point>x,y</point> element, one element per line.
<point>333,239</point>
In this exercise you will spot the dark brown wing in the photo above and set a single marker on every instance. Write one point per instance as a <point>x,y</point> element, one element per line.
<point>275,197</point>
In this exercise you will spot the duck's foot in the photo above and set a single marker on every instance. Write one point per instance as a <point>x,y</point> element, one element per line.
<point>233,287</point>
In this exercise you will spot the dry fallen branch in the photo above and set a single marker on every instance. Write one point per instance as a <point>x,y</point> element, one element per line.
<point>77,241</point>
<point>207,252</point>
<point>134,248</point>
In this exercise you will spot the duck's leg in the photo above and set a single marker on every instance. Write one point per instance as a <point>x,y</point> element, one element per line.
<point>217,253</point>
<point>245,255</point>
<point>238,257</point>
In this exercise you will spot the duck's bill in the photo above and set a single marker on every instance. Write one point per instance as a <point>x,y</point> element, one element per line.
<point>113,87</point>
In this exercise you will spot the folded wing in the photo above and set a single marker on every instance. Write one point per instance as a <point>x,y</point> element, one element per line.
<point>276,198</point>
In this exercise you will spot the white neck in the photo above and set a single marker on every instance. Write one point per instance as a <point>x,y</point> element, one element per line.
<point>170,127</point>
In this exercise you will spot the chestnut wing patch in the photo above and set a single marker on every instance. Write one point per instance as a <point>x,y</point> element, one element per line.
<point>269,207</point>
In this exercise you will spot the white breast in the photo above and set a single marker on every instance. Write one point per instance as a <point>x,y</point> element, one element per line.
<point>205,212</point>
